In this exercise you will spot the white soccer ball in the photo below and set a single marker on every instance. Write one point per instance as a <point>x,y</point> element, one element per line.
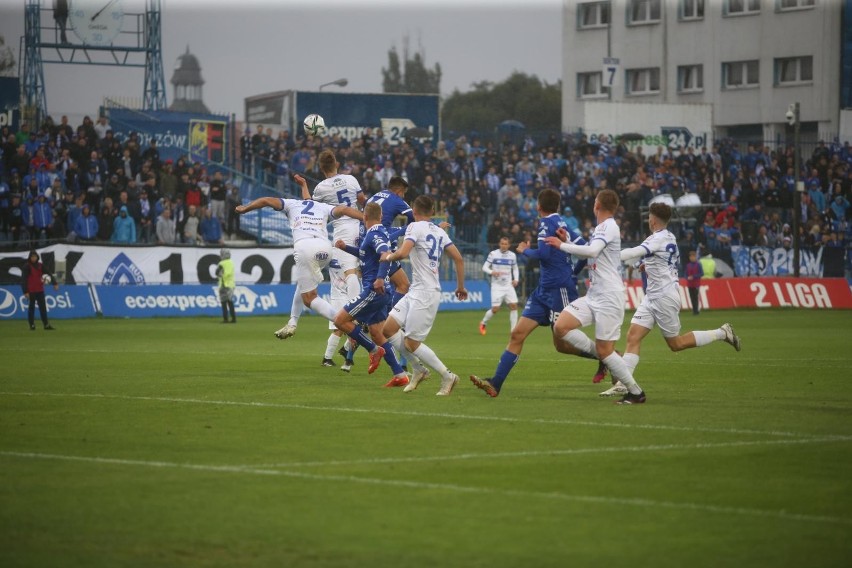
<point>45,278</point>
<point>314,124</point>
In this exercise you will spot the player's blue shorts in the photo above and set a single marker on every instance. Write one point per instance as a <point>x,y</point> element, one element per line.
<point>369,307</point>
<point>545,304</point>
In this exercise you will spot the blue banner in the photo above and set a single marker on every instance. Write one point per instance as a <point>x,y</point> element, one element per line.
<point>193,300</point>
<point>10,100</point>
<point>765,261</point>
<point>177,133</point>
<point>66,303</point>
<point>257,299</point>
<point>348,115</point>
<point>478,296</point>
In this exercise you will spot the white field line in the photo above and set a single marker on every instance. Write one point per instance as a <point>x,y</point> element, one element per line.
<point>409,413</point>
<point>449,487</point>
<point>566,452</point>
<point>841,363</point>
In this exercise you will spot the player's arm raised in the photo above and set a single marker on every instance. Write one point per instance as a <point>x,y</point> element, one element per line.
<point>354,251</point>
<point>260,203</point>
<point>347,211</point>
<point>456,256</point>
<point>303,184</point>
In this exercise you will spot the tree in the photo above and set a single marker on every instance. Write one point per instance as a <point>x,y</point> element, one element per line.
<point>412,76</point>
<point>7,58</point>
<point>520,97</point>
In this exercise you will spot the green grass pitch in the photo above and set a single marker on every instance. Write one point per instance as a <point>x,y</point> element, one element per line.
<point>183,442</point>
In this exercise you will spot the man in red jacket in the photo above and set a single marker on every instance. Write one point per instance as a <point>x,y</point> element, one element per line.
<point>32,283</point>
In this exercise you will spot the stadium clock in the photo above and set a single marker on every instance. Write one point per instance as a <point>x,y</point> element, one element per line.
<point>96,22</point>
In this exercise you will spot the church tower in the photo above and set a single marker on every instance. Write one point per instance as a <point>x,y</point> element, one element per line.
<point>187,84</point>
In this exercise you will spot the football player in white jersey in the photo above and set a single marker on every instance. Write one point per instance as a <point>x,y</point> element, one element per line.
<point>309,223</point>
<point>603,304</point>
<point>335,189</point>
<point>425,243</point>
<point>502,266</point>
<point>661,304</point>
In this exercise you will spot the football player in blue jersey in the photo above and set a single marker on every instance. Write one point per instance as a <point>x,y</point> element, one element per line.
<point>372,304</point>
<point>557,287</point>
<point>393,205</point>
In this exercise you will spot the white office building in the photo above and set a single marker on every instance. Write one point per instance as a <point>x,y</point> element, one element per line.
<point>745,59</point>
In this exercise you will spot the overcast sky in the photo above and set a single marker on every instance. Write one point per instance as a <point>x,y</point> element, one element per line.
<point>251,47</point>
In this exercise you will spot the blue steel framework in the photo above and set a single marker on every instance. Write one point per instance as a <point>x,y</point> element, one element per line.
<point>138,46</point>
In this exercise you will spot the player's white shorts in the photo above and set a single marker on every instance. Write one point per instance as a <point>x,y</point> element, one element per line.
<point>312,255</point>
<point>338,296</point>
<point>344,259</point>
<point>663,311</point>
<point>416,311</point>
<point>606,315</point>
<point>500,294</point>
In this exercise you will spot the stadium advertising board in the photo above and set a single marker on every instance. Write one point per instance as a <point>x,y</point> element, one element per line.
<point>478,296</point>
<point>193,300</point>
<point>177,133</point>
<point>66,303</point>
<point>728,293</point>
<point>155,265</point>
<point>260,299</point>
<point>669,125</point>
<point>349,115</point>
<point>10,100</point>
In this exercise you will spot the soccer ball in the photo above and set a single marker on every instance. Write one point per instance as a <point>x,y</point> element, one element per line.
<point>314,124</point>
<point>45,278</point>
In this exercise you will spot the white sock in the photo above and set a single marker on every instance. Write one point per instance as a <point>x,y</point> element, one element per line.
<point>513,319</point>
<point>398,342</point>
<point>331,348</point>
<point>353,286</point>
<point>620,371</point>
<point>703,338</point>
<point>296,309</point>
<point>323,308</point>
<point>429,358</point>
<point>488,315</point>
<point>631,360</point>
<point>581,341</point>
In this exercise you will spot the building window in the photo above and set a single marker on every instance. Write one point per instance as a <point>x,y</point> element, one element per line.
<point>741,7</point>
<point>643,81</point>
<point>643,12</point>
<point>690,78</point>
<point>739,74</point>
<point>789,5</point>
<point>590,85</point>
<point>794,70</point>
<point>592,15</point>
<point>691,9</point>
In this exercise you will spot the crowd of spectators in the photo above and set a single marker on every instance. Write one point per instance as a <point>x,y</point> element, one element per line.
<point>59,182</point>
<point>489,189</point>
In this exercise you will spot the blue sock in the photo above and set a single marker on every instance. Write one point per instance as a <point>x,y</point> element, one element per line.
<point>350,351</point>
<point>504,367</point>
<point>390,358</point>
<point>358,335</point>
